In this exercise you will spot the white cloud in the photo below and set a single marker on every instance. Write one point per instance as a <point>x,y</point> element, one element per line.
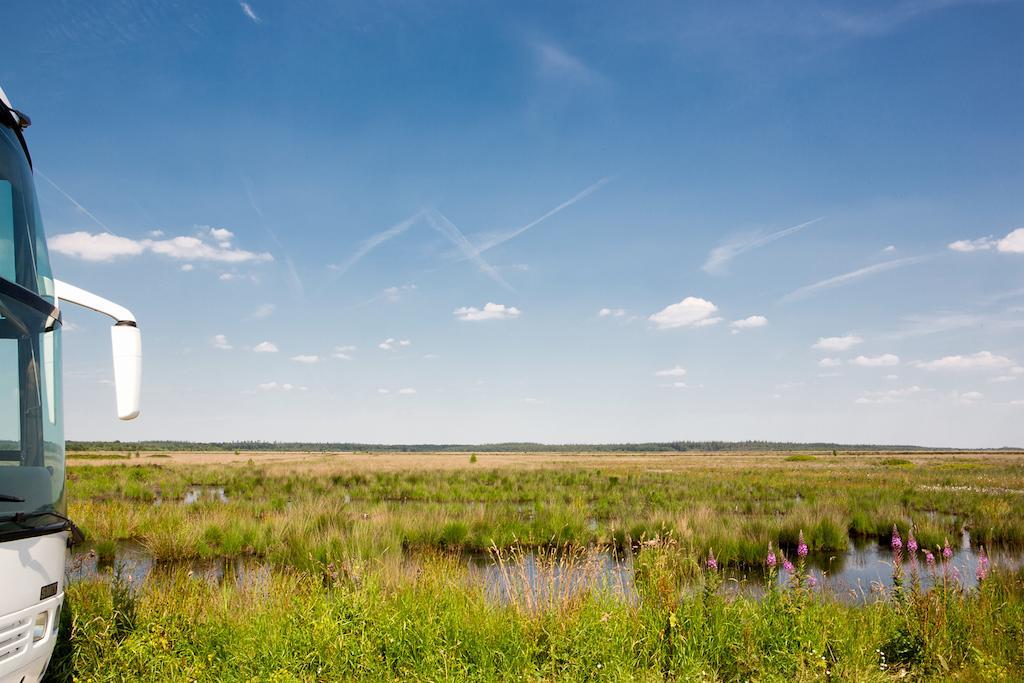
<point>407,391</point>
<point>248,11</point>
<point>882,361</point>
<point>968,246</point>
<point>221,235</point>
<point>187,248</point>
<point>224,277</point>
<point>275,386</point>
<point>888,396</point>
<point>611,312</point>
<point>220,341</point>
<point>691,311</point>
<point>490,311</point>
<point>1013,243</point>
<point>677,371</point>
<point>892,378</point>
<point>968,397</point>
<point>980,360</point>
<point>265,347</point>
<point>889,249</point>
<point>1004,378</point>
<point>383,391</point>
<point>837,343</point>
<point>104,246</point>
<point>1017,402</point>
<point>829,363</point>
<point>749,323</point>
<point>308,359</point>
<point>263,311</point>
<point>391,343</point>
<point>156,233</point>
<point>99,247</point>
<point>394,294</point>
<point>720,256</point>
<point>344,352</point>
<point>187,268</point>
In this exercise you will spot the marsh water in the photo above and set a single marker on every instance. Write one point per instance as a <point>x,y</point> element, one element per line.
<point>860,574</point>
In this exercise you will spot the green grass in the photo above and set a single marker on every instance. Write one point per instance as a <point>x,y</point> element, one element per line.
<point>365,579</point>
<point>378,622</point>
<point>290,517</point>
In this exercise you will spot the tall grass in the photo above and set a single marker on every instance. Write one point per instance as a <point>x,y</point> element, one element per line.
<point>292,516</point>
<point>382,621</point>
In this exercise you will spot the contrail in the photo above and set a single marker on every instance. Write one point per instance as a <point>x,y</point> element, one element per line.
<point>500,239</point>
<point>722,254</point>
<point>248,193</point>
<point>72,200</point>
<point>846,278</point>
<point>449,230</point>
<point>376,240</point>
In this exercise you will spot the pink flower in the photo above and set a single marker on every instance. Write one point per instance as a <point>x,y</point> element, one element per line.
<point>982,571</point>
<point>897,542</point>
<point>947,552</point>
<point>929,558</point>
<point>787,565</point>
<point>770,560</point>
<point>801,548</point>
<point>712,563</point>
<point>912,543</point>
<point>811,582</point>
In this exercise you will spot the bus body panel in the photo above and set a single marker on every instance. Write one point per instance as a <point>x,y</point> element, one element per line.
<point>33,584</point>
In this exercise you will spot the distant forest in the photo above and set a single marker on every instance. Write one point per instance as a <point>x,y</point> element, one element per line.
<point>511,447</point>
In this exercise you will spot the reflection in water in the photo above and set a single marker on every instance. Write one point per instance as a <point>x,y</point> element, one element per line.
<point>542,578</point>
<point>138,565</point>
<point>198,493</point>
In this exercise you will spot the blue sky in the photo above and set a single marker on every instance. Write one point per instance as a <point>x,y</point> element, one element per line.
<point>431,222</point>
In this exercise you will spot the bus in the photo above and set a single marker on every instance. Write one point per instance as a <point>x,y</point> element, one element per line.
<point>35,531</point>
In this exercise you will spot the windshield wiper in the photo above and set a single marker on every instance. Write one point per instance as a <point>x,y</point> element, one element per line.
<point>4,498</point>
<point>20,518</point>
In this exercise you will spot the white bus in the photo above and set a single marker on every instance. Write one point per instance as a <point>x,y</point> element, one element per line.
<point>35,532</point>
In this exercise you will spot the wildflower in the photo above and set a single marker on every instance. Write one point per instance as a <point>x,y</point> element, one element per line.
<point>811,582</point>
<point>771,559</point>
<point>911,543</point>
<point>801,548</point>
<point>787,565</point>
<point>929,559</point>
<point>947,552</point>
<point>982,571</point>
<point>712,562</point>
<point>897,542</point>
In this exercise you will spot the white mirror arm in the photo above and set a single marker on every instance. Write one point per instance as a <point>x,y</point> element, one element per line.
<point>77,295</point>
<point>125,342</point>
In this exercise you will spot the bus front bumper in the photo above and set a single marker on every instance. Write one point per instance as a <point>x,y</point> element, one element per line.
<point>25,645</point>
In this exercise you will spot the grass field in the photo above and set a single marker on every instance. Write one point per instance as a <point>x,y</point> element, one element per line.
<point>361,571</point>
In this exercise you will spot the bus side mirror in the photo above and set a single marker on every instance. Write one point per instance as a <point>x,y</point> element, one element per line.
<point>126,341</point>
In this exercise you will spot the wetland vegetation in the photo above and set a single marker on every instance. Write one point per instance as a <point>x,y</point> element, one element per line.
<point>385,566</point>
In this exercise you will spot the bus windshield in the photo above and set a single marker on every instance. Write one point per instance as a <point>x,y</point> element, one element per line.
<point>31,421</point>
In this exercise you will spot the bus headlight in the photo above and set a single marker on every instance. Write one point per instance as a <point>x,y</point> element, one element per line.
<point>39,628</point>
